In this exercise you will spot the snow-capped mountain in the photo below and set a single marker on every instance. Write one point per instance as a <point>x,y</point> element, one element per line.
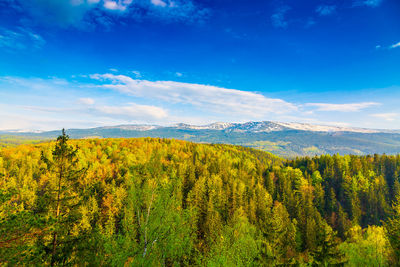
<point>212,126</point>
<point>327,128</point>
<point>281,138</point>
<point>270,126</point>
<point>134,127</point>
<point>251,126</point>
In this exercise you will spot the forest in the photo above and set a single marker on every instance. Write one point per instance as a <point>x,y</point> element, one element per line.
<point>7,140</point>
<point>166,202</point>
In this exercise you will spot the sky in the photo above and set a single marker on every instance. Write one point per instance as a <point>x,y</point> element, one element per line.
<point>90,63</point>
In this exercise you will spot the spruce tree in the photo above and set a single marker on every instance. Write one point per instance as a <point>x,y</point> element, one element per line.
<point>62,196</point>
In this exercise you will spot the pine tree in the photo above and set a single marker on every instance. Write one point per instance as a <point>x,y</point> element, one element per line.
<point>63,198</point>
<point>281,234</point>
<point>327,247</point>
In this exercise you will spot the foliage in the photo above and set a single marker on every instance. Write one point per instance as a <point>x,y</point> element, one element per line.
<point>392,227</point>
<point>368,247</point>
<point>13,140</point>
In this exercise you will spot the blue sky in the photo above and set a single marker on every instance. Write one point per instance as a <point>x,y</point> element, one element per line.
<point>87,63</point>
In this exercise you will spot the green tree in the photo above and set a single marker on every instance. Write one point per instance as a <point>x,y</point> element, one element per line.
<point>155,229</point>
<point>238,245</point>
<point>281,234</point>
<point>392,227</point>
<point>60,200</point>
<point>327,246</point>
<point>368,247</point>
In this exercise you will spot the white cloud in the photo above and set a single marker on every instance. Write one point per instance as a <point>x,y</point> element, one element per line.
<point>395,45</point>
<point>379,47</point>
<point>107,101</point>
<point>50,118</point>
<point>178,74</point>
<point>124,111</point>
<point>86,101</point>
<point>159,3</point>
<point>88,14</point>
<point>351,107</point>
<point>134,111</point>
<point>325,10</point>
<point>206,97</point>
<point>112,5</point>
<point>48,104</point>
<point>386,116</point>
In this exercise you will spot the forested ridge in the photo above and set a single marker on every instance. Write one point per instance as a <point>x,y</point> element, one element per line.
<point>154,202</point>
<point>287,143</point>
<point>12,140</point>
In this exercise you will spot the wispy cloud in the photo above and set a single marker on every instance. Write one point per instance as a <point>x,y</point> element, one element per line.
<point>134,111</point>
<point>386,116</point>
<point>19,39</point>
<point>380,47</point>
<point>278,19</point>
<point>370,3</point>
<point>396,45</point>
<point>325,10</point>
<point>159,3</point>
<point>32,121</point>
<point>206,97</point>
<point>351,107</point>
<point>235,34</point>
<point>177,10</point>
<point>86,101</point>
<point>129,111</point>
<point>309,22</point>
<point>136,73</point>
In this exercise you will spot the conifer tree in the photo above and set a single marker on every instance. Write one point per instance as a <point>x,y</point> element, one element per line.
<point>62,196</point>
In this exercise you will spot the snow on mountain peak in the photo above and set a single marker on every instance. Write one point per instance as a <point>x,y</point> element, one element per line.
<point>270,126</point>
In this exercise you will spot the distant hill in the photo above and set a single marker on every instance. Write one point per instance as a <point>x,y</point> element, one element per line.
<point>283,139</point>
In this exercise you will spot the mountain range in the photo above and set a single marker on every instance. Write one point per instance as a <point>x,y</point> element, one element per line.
<point>281,138</point>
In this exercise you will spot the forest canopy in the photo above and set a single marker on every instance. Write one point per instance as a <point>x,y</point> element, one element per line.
<point>153,202</point>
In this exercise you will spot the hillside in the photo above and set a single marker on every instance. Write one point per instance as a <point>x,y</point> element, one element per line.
<point>13,140</point>
<point>153,202</point>
<point>283,139</point>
